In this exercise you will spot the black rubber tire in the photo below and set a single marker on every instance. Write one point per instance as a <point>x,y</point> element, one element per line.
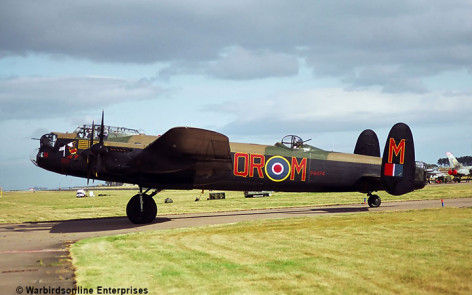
<point>374,201</point>
<point>133,210</point>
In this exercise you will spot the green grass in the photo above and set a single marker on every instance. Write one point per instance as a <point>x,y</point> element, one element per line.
<point>410,252</point>
<point>28,206</point>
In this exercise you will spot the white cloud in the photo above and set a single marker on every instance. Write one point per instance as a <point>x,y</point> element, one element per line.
<point>392,45</point>
<point>32,97</point>
<point>241,64</point>
<point>338,110</point>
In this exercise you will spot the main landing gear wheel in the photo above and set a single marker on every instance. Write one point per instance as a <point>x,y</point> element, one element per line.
<point>141,209</point>
<point>374,201</point>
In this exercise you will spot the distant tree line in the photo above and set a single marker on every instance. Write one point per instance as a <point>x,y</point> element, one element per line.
<point>466,161</point>
<point>112,183</point>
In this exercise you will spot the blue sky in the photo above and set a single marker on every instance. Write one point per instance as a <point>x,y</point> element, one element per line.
<point>253,70</point>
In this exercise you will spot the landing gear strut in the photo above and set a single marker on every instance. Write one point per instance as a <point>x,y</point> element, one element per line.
<point>374,200</point>
<point>142,208</point>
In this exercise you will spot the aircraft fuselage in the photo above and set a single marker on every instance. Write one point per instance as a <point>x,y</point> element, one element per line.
<point>252,167</point>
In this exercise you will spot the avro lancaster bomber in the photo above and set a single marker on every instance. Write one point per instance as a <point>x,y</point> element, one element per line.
<point>186,158</point>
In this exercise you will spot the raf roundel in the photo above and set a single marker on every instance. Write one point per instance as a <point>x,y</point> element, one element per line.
<point>277,168</point>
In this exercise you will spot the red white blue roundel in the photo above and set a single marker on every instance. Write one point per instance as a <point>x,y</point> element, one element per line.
<point>277,168</point>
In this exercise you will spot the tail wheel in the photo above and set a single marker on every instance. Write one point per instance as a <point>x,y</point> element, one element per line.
<point>374,201</point>
<point>141,209</point>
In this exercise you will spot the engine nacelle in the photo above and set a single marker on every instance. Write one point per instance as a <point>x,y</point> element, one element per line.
<point>452,172</point>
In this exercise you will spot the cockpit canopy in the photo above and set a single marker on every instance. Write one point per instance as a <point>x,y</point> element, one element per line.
<point>293,141</point>
<point>85,131</point>
<point>48,140</point>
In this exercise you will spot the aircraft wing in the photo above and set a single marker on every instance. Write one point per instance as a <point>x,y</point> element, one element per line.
<point>202,155</point>
<point>194,143</point>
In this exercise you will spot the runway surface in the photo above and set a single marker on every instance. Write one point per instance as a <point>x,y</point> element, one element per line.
<point>36,254</point>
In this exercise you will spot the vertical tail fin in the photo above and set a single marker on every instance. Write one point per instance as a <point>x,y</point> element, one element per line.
<point>367,144</point>
<point>453,161</point>
<point>398,163</point>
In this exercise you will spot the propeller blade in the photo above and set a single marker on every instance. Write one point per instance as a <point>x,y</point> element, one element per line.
<point>102,127</point>
<point>88,174</point>
<point>98,167</point>
<point>89,162</point>
<point>92,135</point>
<point>96,151</point>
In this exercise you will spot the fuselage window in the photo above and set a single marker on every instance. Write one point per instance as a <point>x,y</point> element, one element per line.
<point>48,140</point>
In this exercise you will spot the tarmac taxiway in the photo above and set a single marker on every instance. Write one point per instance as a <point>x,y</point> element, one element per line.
<point>36,253</point>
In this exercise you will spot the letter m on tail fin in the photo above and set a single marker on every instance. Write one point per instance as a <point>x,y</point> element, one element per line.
<point>398,150</point>
<point>398,162</point>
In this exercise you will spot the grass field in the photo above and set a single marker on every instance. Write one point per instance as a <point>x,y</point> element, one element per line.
<point>411,252</point>
<point>28,206</point>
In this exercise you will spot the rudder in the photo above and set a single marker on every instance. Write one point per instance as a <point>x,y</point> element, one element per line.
<point>398,162</point>
<point>367,144</point>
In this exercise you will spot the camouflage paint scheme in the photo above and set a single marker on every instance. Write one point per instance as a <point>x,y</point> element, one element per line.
<point>192,158</point>
<point>251,166</point>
